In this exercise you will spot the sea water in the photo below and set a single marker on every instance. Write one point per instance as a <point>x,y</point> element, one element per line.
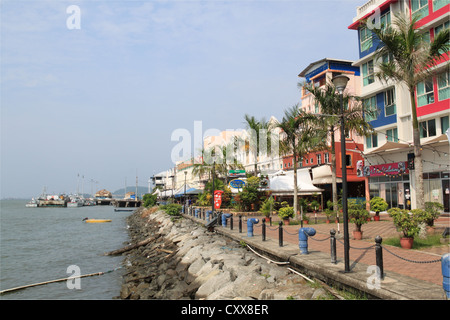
<point>47,243</point>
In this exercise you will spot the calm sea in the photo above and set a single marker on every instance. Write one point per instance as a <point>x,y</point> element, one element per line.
<point>39,244</point>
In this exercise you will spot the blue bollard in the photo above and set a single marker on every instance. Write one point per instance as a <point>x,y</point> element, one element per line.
<point>445,264</point>
<point>303,235</point>
<point>208,215</point>
<point>225,216</point>
<point>250,223</point>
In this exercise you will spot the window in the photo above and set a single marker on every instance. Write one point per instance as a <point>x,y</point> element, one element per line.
<point>444,124</point>
<point>306,161</point>
<point>445,25</point>
<point>372,141</point>
<point>312,160</point>
<point>437,4</point>
<point>392,135</point>
<point>427,128</point>
<point>389,102</point>
<point>367,71</point>
<point>387,57</point>
<point>365,38</point>
<point>316,107</point>
<point>319,158</point>
<point>425,94</point>
<point>385,20</point>
<point>444,86</point>
<point>420,8</point>
<point>326,157</point>
<point>348,160</point>
<point>370,108</point>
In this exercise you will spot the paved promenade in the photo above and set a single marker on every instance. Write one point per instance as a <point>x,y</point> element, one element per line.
<point>408,274</point>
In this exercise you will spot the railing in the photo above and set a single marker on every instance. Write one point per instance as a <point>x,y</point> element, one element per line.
<point>202,213</point>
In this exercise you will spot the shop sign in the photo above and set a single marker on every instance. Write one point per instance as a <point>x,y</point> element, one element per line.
<point>217,199</point>
<point>237,184</point>
<point>388,169</point>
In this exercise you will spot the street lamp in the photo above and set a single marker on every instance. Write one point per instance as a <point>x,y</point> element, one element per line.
<point>340,82</point>
<point>185,174</point>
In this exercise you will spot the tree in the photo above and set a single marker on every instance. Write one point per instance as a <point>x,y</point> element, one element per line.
<point>329,118</point>
<point>412,62</point>
<point>259,134</point>
<point>298,137</point>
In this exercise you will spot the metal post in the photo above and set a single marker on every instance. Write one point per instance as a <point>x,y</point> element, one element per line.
<point>344,191</point>
<point>231,222</point>
<point>379,256</point>
<point>280,234</point>
<point>263,230</point>
<point>240,223</point>
<point>333,246</point>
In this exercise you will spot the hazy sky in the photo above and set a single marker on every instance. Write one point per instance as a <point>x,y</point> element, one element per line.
<point>102,101</point>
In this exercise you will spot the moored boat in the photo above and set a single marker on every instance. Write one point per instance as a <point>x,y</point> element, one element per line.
<point>87,220</point>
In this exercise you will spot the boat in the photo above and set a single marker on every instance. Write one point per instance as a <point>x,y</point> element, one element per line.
<point>125,210</point>
<point>33,203</point>
<point>87,220</point>
<point>75,201</point>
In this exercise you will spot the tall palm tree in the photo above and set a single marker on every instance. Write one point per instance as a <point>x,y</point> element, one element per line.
<point>256,128</point>
<point>299,136</point>
<point>329,117</point>
<point>413,59</point>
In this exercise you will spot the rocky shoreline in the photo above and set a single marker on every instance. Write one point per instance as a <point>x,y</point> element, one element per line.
<point>185,261</point>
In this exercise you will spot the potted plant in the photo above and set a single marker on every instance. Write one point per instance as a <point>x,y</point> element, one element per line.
<point>407,223</point>
<point>358,215</point>
<point>267,207</point>
<point>305,218</point>
<point>314,205</point>
<point>378,204</point>
<point>285,213</point>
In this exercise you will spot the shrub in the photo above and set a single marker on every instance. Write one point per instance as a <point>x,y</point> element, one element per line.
<point>286,212</point>
<point>267,206</point>
<point>172,209</point>
<point>378,204</point>
<point>405,222</point>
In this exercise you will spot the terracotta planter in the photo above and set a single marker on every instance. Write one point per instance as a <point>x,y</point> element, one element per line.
<point>406,243</point>
<point>286,222</point>
<point>305,221</point>
<point>328,221</point>
<point>430,230</point>
<point>267,219</point>
<point>376,218</point>
<point>357,235</point>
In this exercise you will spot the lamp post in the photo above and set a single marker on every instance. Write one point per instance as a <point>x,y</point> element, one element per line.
<point>185,174</point>
<point>340,82</point>
<point>213,186</point>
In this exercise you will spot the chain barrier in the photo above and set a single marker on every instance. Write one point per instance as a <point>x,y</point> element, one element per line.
<point>409,260</point>
<point>365,248</point>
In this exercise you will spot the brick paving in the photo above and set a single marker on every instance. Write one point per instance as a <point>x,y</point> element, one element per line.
<point>402,261</point>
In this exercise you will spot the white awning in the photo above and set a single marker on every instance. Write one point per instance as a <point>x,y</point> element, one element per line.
<point>322,175</point>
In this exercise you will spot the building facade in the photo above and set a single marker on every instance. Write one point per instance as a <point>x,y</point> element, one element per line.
<point>389,150</point>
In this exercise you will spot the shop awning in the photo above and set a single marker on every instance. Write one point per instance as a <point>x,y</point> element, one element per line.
<point>439,139</point>
<point>389,146</point>
<point>283,184</point>
<point>322,175</point>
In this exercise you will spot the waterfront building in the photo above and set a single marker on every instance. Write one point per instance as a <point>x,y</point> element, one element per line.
<point>389,150</point>
<point>318,74</point>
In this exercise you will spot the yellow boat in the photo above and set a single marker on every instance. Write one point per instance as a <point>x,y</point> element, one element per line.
<point>96,220</point>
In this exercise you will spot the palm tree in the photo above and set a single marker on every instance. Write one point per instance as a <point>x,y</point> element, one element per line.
<point>299,136</point>
<point>329,118</point>
<point>413,59</point>
<point>257,128</point>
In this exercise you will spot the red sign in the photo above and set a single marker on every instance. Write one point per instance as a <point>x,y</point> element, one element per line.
<point>217,199</point>
<point>395,168</point>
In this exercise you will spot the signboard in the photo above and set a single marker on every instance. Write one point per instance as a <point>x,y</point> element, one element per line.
<point>388,169</point>
<point>237,171</point>
<point>237,184</point>
<point>217,199</point>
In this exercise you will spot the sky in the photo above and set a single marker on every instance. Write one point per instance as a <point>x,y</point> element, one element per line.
<point>94,95</point>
